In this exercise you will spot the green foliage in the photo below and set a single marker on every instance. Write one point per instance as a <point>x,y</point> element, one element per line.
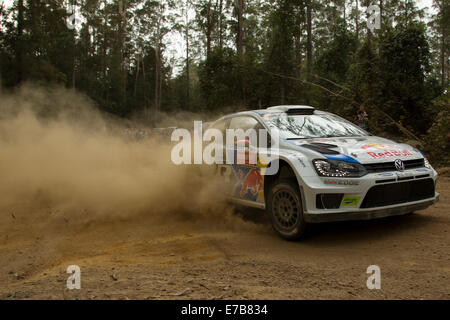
<point>404,62</point>
<point>120,57</point>
<point>437,139</point>
<point>335,60</point>
<point>218,79</point>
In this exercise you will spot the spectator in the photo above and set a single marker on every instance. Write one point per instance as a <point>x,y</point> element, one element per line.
<point>362,118</point>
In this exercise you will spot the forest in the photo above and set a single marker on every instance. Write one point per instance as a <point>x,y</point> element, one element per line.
<point>137,59</point>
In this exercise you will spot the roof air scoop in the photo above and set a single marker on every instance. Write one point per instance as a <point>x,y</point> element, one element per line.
<point>294,109</point>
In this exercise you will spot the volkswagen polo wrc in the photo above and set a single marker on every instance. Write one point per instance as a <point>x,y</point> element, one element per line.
<point>327,169</point>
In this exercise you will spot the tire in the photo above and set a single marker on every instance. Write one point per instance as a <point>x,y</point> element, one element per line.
<point>285,209</point>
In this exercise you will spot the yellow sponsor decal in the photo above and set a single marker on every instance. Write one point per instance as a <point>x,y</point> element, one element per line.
<point>350,201</point>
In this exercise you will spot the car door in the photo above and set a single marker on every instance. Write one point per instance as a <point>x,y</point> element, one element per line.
<point>222,169</point>
<point>220,125</point>
<point>246,174</point>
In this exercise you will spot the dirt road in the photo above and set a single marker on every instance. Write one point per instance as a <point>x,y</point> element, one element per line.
<point>234,259</point>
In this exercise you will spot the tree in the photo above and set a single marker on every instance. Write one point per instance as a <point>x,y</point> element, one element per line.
<point>253,53</point>
<point>2,12</point>
<point>309,38</point>
<point>441,30</point>
<point>20,41</point>
<point>403,66</point>
<point>240,6</point>
<point>206,19</point>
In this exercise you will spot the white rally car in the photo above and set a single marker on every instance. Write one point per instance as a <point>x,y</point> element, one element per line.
<point>329,170</point>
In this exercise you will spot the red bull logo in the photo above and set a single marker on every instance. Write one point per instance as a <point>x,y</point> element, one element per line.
<point>390,153</point>
<point>252,183</point>
<point>379,146</point>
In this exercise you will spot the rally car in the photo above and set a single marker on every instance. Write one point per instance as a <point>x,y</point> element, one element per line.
<point>327,169</point>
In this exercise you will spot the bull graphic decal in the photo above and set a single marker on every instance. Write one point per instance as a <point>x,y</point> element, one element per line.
<point>250,183</point>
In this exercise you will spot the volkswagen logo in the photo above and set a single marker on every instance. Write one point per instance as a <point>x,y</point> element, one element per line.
<point>399,165</point>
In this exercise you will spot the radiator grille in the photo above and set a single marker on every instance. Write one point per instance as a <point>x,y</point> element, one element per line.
<point>396,193</point>
<point>389,166</point>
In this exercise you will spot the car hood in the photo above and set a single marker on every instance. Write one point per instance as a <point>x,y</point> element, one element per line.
<point>369,149</point>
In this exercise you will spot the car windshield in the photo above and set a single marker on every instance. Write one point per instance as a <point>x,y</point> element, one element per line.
<point>312,126</point>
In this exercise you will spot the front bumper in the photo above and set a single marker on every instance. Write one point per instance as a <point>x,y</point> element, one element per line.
<point>368,197</point>
<point>368,214</point>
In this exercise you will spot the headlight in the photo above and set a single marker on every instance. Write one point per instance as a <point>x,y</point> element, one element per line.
<point>336,168</point>
<point>427,163</point>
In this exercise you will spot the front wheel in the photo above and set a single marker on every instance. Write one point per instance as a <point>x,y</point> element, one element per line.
<point>284,207</point>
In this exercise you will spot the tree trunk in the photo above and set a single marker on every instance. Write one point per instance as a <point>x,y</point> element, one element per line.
<point>160,86</point>
<point>157,75</point>
<point>187,57</point>
<point>381,13</point>
<point>188,76</point>
<point>298,55</point>
<point>1,28</point>
<point>345,13</point>
<point>19,44</point>
<point>208,30</point>
<point>308,38</point>
<point>369,44</point>
<point>73,50</point>
<point>443,59</point>
<point>357,21</point>
<point>381,26</point>
<point>1,14</point>
<point>369,33</point>
<point>157,67</point>
<point>240,46</point>
<point>220,25</point>
<point>104,53</point>
<point>122,26</point>
<point>444,51</point>
<point>144,91</point>
<point>282,92</point>
<point>240,36</point>
<point>137,75</point>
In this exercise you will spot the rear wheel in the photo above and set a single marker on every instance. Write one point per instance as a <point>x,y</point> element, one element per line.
<point>284,207</point>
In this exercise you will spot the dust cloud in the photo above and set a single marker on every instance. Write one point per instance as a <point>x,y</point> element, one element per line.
<point>61,159</point>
